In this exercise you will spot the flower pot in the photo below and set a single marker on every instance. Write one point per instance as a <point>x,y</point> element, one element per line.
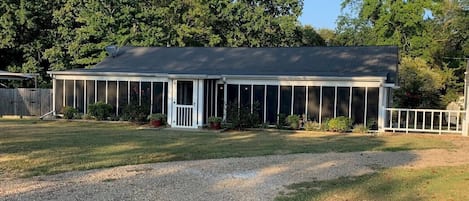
<point>156,123</point>
<point>215,125</point>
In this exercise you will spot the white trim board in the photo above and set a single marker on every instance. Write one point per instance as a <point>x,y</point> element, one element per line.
<point>112,78</point>
<point>308,83</point>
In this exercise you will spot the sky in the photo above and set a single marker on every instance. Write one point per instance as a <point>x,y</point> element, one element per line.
<point>320,13</point>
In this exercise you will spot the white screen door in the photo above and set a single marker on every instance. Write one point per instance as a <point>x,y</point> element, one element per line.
<point>184,104</point>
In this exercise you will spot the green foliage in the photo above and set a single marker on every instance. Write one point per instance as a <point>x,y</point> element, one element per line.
<point>325,125</point>
<point>38,36</point>
<point>214,119</point>
<point>281,121</point>
<point>420,84</point>
<point>430,34</point>
<point>312,126</point>
<point>135,113</point>
<point>100,110</point>
<point>339,124</point>
<point>293,121</point>
<point>157,116</point>
<point>70,112</point>
<point>360,128</point>
<point>241,118</point>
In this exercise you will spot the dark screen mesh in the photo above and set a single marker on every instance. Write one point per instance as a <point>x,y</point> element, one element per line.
<point>112,95</point>
<point>299,100</point>
<point>69,88</point>
<point>271,104</point>
<point>285,100</point>
<point>313,103</point>
<point>328,94</point>
<point>220,96</point>
<point>134,93</point>
<point>59,95</point>
<point>258,99</point>
<point>80,95</point>
<point>358,104</point>
<point>157,97</point>
<point>102,91</point>
<point>245,95</point>
<point>90,92</point>
<point>232,95</point>
<point>372,106</point>
<point>343,97</point>
<point>123,95</point>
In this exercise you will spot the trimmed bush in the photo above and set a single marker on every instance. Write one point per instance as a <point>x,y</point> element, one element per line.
<point>135,113</point>
<point>281,120</point>
<point>312,126</point>
<point>70,112</point>
<point>293,121</point>
<point>339,124</point>
<point>360,128</point>
<point>100,110</point>
<point>324,125</point>
<point>241,118</point>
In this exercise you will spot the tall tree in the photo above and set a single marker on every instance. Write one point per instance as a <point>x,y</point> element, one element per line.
<point>25,33</point>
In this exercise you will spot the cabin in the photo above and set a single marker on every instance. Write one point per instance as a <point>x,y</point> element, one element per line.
<point>191,84</point>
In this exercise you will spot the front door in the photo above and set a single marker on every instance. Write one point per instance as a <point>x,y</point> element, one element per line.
<point>184,115</point>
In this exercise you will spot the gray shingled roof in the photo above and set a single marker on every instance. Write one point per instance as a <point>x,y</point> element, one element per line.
<point>301,61</point>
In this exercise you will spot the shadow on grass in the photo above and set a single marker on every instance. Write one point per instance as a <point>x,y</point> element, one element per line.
<point>33,148</point>
<point>439,183</point>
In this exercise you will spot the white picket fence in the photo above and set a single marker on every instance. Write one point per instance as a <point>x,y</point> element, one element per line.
<point>424,120</point>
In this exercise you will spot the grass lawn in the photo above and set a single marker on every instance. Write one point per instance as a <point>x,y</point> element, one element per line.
<point>29,147</point>
<point>442,183</point>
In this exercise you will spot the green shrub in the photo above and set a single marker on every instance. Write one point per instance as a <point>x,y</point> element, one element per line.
<point>325,125</point>
<point>135,113</point>
<point>372,124</point>
<point>293,121</point>
<point>100,110</point>
<point>240,118</point>
<point>69,112</point>
<point>214,119</point>
<point>360,128</point>
<point>339,124</point>
<point>87,117</point>
<point>78,116</point>
<point>312,126</point>
<point>281,120</point>
<point>157,116</point>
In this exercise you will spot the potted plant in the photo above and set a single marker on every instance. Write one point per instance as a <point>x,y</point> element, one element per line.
<point>157,119</point>
<point>215,122</point>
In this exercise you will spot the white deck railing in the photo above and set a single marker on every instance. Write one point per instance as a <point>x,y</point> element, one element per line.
<point>424,120</point>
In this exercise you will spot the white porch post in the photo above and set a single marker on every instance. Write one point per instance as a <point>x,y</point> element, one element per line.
<point>465,126</point>
<point>199,104</point>
<point>54,86</point>
<point>170,102</point>
<point>381,109</point>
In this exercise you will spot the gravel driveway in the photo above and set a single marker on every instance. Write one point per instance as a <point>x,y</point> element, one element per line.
<point>253,178</point>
